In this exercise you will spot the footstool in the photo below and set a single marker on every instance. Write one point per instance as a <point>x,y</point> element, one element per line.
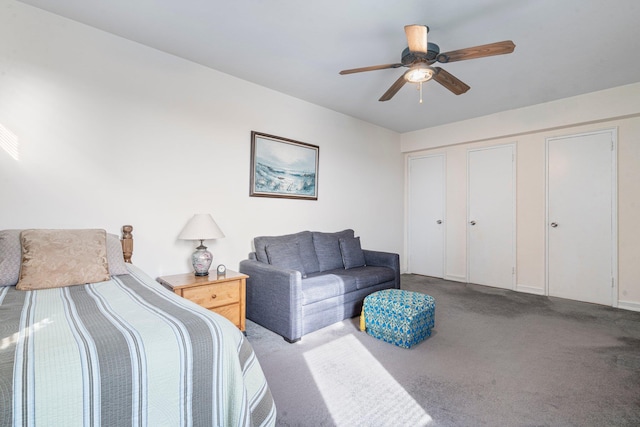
<point>399,317</point>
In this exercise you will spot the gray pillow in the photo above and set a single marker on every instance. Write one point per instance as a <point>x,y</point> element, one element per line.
<point>10,257</point>
<point>285,256</point>
<point>352,255</point>
<point>115,258</point>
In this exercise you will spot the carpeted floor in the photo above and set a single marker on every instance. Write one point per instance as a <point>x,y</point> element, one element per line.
<point>496,358</point>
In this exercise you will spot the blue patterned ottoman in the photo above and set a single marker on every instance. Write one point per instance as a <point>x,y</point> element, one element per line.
<point>399,317</point>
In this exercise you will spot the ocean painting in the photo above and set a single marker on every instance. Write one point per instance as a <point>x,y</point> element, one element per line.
<point>283,168</point>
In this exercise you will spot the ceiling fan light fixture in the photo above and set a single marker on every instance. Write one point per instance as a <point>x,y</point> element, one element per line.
<point>421,53</point>
<point>419,74</point>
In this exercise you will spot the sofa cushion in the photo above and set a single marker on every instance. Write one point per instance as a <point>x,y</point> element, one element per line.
<point>321,286</point>
<point>305,244</point>
<point>367,276</point>
<point>327,247</point>
<point>351,250</point>
<point>286,256</point>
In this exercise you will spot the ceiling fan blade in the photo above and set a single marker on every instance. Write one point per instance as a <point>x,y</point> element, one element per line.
<point>417,37</point>
<point>372,68</point>
<point>394,88</point>
<point>498,48</point>
<point>449,81</point>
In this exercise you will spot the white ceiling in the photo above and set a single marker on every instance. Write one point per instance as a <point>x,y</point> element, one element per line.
<point>563,48</point>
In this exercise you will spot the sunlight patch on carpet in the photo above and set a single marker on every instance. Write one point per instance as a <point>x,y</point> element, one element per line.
<point>358,390</point>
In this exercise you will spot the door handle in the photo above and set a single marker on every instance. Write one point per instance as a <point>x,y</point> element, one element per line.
<point>472,222</point>
<point>554,224</point>
<point>439,221</point>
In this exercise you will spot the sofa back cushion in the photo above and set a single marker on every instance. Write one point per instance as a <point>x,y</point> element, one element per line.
<point>327,246</point>
<point>286,256</point>
<point>306,249</point>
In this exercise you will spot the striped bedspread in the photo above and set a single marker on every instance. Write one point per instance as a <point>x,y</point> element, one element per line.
<point>126,352</point>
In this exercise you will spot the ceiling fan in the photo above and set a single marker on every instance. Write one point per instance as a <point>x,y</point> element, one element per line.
<point>421,55</point>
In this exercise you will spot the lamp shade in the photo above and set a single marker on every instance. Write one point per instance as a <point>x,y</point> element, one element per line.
<point>201,227</point>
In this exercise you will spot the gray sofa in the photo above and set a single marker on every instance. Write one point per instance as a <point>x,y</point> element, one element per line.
<point>301,282</point>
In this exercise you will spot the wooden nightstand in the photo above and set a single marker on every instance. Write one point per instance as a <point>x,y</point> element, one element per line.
<point>225,295</point>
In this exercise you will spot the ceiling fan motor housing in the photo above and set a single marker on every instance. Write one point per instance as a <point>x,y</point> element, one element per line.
<point>409,57</point>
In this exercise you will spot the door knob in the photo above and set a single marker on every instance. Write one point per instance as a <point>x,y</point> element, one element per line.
<point>554,224</point>
<point>439,221</point>
<point>472,222</point>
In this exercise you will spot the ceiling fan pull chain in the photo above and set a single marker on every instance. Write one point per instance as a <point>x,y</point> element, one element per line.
<point>420,92</point>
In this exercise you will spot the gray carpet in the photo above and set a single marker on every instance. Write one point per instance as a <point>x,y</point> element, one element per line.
<point>496,358</point>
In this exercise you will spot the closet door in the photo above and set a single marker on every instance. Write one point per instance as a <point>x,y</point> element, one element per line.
<point>581,226</point>
<point>425,231</point>
<point>491,216</point>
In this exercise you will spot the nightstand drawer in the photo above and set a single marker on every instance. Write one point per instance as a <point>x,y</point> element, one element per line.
<point>231,312</point>
<point>216,295</point>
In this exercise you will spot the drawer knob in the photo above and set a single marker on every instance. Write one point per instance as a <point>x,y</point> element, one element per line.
<point>213,296</point>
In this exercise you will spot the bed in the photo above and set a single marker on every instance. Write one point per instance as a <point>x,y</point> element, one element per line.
<point>114,352</point>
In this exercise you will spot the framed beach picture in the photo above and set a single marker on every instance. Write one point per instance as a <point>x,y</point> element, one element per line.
<point>282,167</point>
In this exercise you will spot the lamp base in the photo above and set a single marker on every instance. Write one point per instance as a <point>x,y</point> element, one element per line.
<point>201,260</point>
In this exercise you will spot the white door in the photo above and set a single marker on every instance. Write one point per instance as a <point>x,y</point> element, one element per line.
<point>581,235</point>
<point>426,215</point>
<point>491,216</point>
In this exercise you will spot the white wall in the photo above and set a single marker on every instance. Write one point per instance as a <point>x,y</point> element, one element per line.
<point>111,132</point>
<point>528,128</point>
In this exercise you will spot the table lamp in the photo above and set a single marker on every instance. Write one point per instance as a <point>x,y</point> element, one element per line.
<point>201,227</point>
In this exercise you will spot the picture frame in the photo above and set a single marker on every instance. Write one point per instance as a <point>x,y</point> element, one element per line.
<point>283,168</point>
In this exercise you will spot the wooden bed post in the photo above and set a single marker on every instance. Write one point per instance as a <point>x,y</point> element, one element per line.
<point>127,243</point>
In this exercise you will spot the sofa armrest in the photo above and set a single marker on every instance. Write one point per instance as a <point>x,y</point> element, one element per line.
<point>384,259</point>
<point>274,298</point>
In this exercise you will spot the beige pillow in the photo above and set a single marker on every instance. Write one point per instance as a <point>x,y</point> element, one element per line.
<point>56,258</point>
